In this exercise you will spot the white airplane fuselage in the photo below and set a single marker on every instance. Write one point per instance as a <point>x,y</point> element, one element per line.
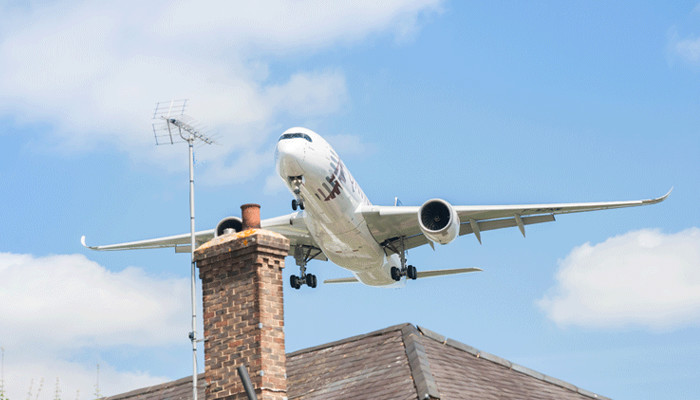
<point>330,194</point>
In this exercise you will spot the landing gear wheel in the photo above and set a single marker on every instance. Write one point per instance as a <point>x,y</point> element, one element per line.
<point>297,204</point>
<point>395,274</point>
<point>311,280</point>
<point>294,281</point>
<point>411,272</point>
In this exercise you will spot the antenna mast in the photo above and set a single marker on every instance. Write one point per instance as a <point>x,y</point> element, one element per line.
<point>171,125</point>
<point>57,392</point>
<point>2,373</point>
<point>97,394</point>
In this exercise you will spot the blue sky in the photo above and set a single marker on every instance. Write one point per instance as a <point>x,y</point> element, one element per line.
<point>493,103</point>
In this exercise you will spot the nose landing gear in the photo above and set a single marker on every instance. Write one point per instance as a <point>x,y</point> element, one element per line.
<point>297,203</point>
<point>296,182</point>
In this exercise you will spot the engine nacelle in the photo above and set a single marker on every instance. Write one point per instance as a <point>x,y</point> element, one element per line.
<point>234,223</point>
<point>439,221</point>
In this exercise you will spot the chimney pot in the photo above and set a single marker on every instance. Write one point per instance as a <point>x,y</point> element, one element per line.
<point>250,214</point>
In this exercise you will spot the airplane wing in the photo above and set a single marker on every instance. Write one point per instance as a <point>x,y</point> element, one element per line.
<point>181,243</point>
<point>292,226</point>
<point>421,274</point>
<point>387,223</point>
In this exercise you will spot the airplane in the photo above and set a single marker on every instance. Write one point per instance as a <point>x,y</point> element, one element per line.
<point>334,220</point>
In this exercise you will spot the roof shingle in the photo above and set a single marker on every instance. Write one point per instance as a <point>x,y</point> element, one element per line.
<point>398,362</point>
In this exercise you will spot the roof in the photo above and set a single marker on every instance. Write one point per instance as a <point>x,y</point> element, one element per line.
<point>399,362</point>
<point>180,389</point>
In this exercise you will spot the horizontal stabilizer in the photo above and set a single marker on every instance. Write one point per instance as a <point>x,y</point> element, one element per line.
<point>421,274</point>
<point>440,272</point>
<point>342,280</point>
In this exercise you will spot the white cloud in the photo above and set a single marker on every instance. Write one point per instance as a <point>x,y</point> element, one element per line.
<point>689,50</point>
<point>309,94</point>
<point>349,145</point>
<point>93,70</point>
<point>274,184</point>
<point>685,47</point>
<point>76,381</point>
<point>55,307</point>
<point>643,278</point>
<point>68,300</point>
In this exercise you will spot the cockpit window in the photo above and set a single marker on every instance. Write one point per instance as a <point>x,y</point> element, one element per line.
<point>295,135</point>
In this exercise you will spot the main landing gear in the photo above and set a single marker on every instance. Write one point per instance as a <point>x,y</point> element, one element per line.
<point>296,182</point>
<point>302,255</point>
<point>297,281</point>
<point>409,271</point>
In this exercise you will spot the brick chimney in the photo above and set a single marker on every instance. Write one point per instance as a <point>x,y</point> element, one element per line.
<point>241,277</point>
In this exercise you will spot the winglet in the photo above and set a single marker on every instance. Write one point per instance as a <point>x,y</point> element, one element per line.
<point>82,241</point>
<point>658,199</point>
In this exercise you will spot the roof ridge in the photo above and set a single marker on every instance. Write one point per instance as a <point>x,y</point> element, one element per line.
<point>350,339</point>
<point>426,386</point>
<point>503,362</point>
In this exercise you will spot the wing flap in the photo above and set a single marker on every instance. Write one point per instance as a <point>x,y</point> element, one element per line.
<point>495,212</point>
<point>466,228</point>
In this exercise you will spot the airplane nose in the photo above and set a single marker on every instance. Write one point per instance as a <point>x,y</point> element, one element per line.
<point>289,157</point>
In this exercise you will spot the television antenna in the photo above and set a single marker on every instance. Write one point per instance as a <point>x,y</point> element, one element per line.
<point>170,126</point>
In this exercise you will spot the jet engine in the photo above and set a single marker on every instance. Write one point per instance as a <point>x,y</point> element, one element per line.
<point>234,223</point>
<point>439,221</point>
